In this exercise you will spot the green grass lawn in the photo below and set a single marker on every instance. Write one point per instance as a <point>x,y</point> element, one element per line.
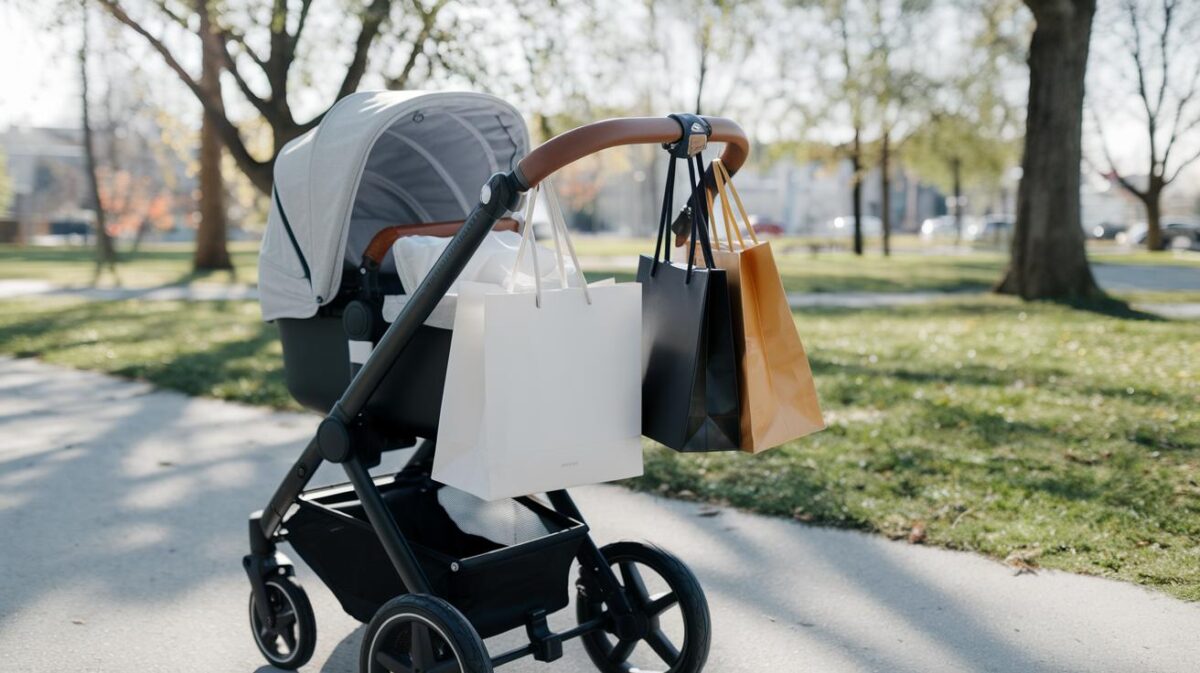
<point>802,270</point>
<point>152,265</point>
<point>843,272</point>
<point>1061,437</point>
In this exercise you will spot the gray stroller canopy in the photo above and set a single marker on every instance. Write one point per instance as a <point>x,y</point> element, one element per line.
<point>377,159</point>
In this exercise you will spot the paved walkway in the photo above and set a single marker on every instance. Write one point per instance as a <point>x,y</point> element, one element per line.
<point>1126,277</point>
<point>123,511</point>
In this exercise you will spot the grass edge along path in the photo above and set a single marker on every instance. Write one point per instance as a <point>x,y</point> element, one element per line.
<point>1037,433</point>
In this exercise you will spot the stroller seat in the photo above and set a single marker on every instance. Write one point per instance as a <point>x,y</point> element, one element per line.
<point>403,157</point>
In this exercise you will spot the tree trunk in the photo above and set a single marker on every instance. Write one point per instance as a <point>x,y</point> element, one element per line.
<point>912,193</point>
<point>856,190</point>
<point>885,177</point>
<point>1048,259</point>
<point>1153,202</point>
<point>956,172</point>
<point>211,250</point>
<point>106,254</point>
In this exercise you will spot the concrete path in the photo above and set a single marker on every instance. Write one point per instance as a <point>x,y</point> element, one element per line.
<point>123,516</point>
<point>1127,277</point>
<point>11,289</point>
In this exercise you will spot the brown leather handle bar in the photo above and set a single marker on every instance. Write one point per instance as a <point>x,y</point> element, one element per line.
<point>378,248</point>
<point>569,147</point>
<point>564,149</point>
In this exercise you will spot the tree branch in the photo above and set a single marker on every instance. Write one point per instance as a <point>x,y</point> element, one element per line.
<point>1112,166</point>
<point>1143,93</point>
<point>1181,112</point>
<point>428,20</point>
<point>1182,165</point>
<point>1164,40</point>
<point>304,7</point>
<point>253,168</point>
<point>230,35</point>
<point>231,65</point>
<point>372,19</point>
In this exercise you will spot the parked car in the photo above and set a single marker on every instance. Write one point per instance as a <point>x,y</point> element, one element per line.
<point>995,229</point>
<point>766,227</point>
<point>844,225</point>
<point>1107,231</point>
<point>1177,234</point>
<point>942,227</point>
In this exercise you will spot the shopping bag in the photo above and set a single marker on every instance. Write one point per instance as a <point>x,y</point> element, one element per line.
<point>543,386</point>
<point>690,390</point>
<point>778,396</point>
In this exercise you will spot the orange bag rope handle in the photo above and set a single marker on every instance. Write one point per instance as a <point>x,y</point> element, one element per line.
<point>725,180</point>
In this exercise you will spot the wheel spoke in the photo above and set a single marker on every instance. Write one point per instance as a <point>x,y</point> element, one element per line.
<point>662,646</point>
<point>423,656</point>
<point>289,637</point>
<point>284,619</point>
<point>393,663</point>
<point>660,603</point>
<point>634,586</point>
<point>449,666</point>
<point>621,651</point>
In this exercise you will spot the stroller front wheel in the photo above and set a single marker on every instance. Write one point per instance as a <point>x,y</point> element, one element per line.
<point>289,639</point>
<point>417,632</point>
<point>668,603</point>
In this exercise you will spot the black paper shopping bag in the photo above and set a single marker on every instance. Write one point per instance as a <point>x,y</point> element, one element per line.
<point>690,390</point>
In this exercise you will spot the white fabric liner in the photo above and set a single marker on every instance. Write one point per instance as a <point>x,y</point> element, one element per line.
<point>378,158</point>
<point>491,264</point>
<point>505,522</point>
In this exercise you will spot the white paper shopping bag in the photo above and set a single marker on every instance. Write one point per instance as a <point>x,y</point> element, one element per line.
<point>543,387</point>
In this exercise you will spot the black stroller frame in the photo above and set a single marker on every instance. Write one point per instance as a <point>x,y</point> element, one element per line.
<point>339,438</point>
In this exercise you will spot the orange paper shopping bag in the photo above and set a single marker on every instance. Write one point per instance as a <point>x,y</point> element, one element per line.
<point>778,397</point>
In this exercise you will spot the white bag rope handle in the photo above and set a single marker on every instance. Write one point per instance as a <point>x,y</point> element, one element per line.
<point>556,213</point>
<point>558,227</point>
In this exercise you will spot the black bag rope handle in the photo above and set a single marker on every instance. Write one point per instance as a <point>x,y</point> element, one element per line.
<point>689,148</point>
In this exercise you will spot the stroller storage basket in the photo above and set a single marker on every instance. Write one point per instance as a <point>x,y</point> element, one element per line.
<point>495,585</point>
<point>316,363</point>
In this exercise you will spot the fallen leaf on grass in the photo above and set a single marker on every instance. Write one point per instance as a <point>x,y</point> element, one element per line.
<point>1023,561</point>
<point>916,534</point>
<point>801,515</point>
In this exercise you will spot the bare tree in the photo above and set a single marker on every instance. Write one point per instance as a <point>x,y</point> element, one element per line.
<point>1165,62</point>
<point>1048,256</point>
<point>247,65</point>
<point>212,250</point>
<point>855,96</point>
<point>106,254</point>
<point>894,83</point>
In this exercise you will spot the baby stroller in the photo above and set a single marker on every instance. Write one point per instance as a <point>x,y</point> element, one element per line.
<point>400,552</point>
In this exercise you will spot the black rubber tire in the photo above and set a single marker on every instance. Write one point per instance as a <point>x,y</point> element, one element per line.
<point>453,637</point>
<point>697,625</point>
<point>300,638</point>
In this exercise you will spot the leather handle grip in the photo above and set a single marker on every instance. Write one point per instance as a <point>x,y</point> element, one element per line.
<point>575,144</point>
<point>378,248</point>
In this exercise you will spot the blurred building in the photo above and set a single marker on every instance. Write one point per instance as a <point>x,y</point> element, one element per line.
<point>51,195</point>
<point>46,175</point>
<point>801,197</point>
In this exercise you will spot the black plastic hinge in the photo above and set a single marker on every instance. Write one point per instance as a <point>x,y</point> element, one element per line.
<point>544,643</point>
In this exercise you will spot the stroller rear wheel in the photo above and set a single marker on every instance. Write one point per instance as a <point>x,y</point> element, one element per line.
<point>417,633</point>
<point>669,605</point>
<point>288,641</point>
